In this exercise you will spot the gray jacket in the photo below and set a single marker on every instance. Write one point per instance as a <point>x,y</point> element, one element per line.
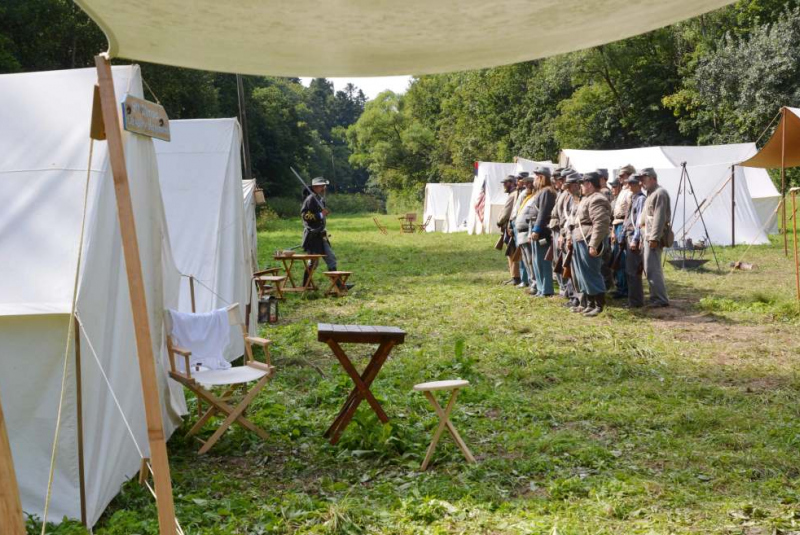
<point>657,214</point>
<point>593,220</point>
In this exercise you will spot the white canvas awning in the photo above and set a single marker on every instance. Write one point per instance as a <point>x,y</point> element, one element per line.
<point>310,38</point>
<point>45,143</point>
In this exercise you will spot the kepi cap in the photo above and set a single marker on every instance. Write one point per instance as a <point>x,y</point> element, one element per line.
<point>649,171</point>
<point>509,178</point>
<point>603,173</point>
<point>573,177</point>
<point>626,170</point>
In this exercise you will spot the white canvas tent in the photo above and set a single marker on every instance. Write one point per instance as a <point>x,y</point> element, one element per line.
<point>489,183</point>
<point>45,143</point>
<point>448,206</point>
<point>200,171</point>
<point>712,187</point>
<point>764,196</point>
<point>249,198</point>
<point>523,164</point>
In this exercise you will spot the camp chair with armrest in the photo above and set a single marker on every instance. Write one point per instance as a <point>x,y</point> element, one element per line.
<point>202,381</point>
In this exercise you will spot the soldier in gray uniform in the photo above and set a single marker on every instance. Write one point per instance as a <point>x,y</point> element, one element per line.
<point>657,234</point>
<point>590,238</point>
<point>522,226</point>
<point>509,186</point>
<point>633,242</point>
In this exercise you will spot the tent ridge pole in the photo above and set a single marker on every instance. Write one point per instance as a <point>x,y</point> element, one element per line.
<point>136,289</point>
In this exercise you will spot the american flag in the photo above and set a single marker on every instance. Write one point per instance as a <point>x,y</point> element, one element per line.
<point>481,204</point>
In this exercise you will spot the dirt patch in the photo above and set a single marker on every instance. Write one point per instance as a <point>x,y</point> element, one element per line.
<point>768,352</point>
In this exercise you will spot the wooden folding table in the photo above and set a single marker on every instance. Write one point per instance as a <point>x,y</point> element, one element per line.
<point>288,264</point>
<point>386,338</point>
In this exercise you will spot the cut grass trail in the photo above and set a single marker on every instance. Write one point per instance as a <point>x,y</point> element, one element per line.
<point>682,420</point>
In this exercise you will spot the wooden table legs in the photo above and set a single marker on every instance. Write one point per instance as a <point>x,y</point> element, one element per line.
<point>361,390</point>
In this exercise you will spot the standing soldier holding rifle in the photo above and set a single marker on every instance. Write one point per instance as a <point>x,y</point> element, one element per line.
<point>314,213</point>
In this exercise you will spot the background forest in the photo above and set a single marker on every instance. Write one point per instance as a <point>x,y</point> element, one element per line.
<point>717,78</point>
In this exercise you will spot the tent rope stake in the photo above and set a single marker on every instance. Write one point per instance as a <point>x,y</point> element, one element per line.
<point>70,328</point>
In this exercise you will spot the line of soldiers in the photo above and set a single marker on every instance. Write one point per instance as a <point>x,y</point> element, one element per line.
<point>591,234</point>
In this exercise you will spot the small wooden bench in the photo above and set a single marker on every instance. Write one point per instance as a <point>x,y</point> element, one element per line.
<point>386,338</point>
<point>338,285</point>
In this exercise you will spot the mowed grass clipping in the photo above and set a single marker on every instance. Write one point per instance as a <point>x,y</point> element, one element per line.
<point>681,420</point>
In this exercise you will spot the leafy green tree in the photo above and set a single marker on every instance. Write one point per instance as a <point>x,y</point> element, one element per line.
<point>390,144</point>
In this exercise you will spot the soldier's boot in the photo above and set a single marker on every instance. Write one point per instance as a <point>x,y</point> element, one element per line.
<point>583,305</point>
<point>600,304</point>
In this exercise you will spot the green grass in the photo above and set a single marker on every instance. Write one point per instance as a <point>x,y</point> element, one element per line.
<point>681,420</point>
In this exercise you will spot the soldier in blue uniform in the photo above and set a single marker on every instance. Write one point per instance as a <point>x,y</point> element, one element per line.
<point>314,213</point>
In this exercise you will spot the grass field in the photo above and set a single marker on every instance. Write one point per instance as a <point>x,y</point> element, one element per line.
<point>680,420</point>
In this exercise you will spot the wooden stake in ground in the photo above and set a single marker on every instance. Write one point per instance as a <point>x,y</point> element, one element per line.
<point>141,323</point>
<point>783,181</point>
<point>794,240</point>
<point>11,520</point>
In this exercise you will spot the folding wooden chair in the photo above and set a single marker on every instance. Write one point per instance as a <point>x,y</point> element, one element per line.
<point>421,228</point>
<point>202,381</point>
<point>381,228</point>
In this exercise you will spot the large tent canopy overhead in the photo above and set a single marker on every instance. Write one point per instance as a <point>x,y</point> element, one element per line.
<point>43,174</point>
<point>200,173</point>
<point>311,38</point>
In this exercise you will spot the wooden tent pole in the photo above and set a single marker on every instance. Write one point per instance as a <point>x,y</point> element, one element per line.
<point>141,323</point>
<point>783,181</point>
<point>794,240</point>
<point>10,506</point>
<point>79,411</point>
<point>733,206</point>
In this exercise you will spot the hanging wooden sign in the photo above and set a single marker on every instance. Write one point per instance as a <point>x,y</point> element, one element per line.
<point>145,118</point>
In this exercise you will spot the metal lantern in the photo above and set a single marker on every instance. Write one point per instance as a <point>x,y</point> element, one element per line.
<point>268,309</point>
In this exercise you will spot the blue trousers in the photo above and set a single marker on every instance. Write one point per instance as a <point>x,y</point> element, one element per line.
<point>523,273</point>
<point>590,276</point>
<point>620,279</point>
<point>543,269</point>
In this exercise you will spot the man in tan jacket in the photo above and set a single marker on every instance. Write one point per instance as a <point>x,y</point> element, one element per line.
<point>509,186</point>
<point>656,234</point>
<point>590,238</point>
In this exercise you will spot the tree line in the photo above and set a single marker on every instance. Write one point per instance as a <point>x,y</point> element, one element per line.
<point>717,78</point>
<point>289,124</point>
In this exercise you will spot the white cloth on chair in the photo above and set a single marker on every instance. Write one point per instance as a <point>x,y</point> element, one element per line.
<point>206,335</point>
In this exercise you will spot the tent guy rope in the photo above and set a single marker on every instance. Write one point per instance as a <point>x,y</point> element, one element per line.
<point>70,327</point>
